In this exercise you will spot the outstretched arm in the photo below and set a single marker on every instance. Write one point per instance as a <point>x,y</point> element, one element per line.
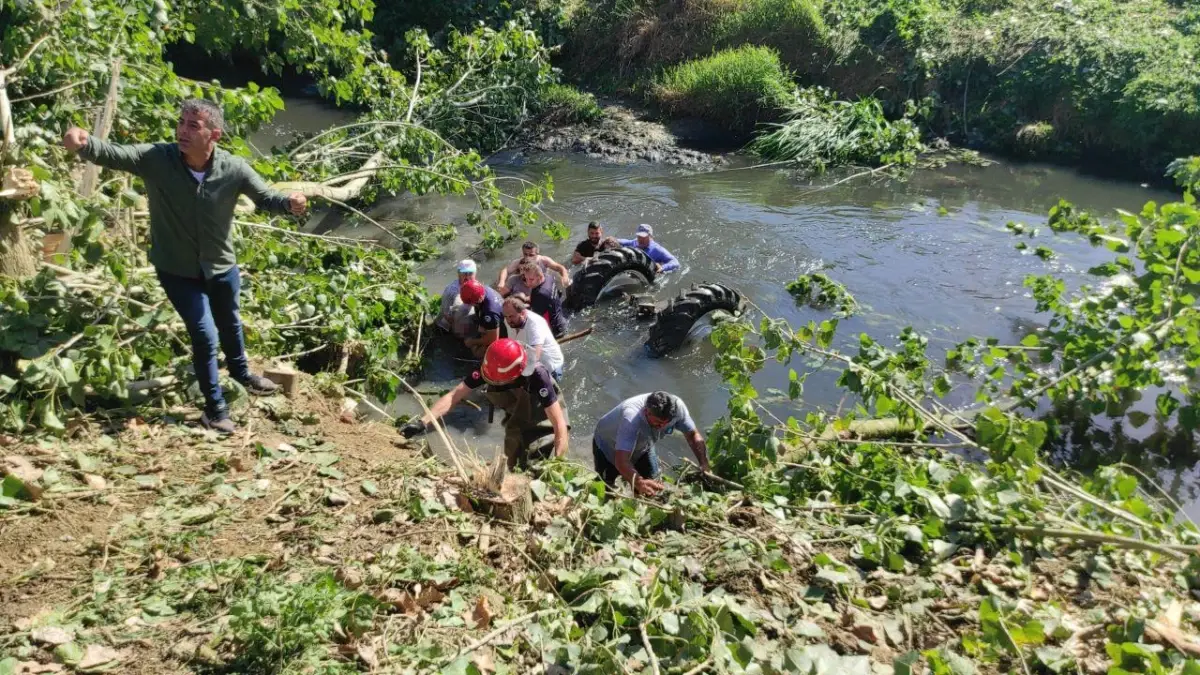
<point>668,261</point>
<point>264,197</point>
<point>556,266</point>
<point>699,448</point>
<point>108,155</point>
<point>448,400</point>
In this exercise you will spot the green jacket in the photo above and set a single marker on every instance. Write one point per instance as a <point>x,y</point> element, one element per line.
<point>191,224</point>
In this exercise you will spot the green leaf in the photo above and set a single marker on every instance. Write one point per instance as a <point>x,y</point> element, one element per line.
<point>8,666</point>
<point>369,488</point>
<point>670,623</point>
<point>69,653</point>
<point>1031,340</point>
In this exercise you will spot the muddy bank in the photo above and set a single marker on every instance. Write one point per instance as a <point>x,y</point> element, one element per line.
<point>628,134</point>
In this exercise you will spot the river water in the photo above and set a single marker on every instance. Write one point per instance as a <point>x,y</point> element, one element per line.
<point>929,251</point>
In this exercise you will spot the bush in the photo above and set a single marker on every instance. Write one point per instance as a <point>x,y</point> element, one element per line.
<point>564,104</point>
<point>735,87</point>
<point>821,132</point>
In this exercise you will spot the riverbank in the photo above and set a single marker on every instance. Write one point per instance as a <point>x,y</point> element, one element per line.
<point>1093,83</point>
<point>310,540</point>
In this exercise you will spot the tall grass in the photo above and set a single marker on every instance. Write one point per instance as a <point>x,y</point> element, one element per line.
<point>564,104</point>
<point>735,87</point>
<point>821,132</point>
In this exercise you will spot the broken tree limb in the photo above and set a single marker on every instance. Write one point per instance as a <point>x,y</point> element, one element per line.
<point>869,429</point>
<point>104,123</point>
<point>352,186</point>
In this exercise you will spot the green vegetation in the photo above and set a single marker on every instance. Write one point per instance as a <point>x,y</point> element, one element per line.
<point>819,291</point>
<point>563,104</point>
<point>736,87</point>
<point>833,542</point>
<point>821,132</point>
<point>1085,81</point>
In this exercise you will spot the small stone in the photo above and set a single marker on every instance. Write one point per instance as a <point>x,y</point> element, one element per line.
<point>95,482</point>
<point>866,632</point>
<point>349,577</point>
<point>50,635</point>
<point>337,498</point>
<point>1039,594</point>
<point>877,603</point>
<point>239,464</point>
<point>326,551</point>
<point>97,657</point>
<point>383,516</point>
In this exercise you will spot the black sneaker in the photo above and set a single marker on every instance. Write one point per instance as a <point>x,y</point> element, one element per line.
<point>219,422</point>
<point>260,386</point>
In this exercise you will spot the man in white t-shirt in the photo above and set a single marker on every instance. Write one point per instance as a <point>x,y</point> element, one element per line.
<point>534,334</point>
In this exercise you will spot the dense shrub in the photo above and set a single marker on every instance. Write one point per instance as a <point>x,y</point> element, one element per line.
<point>821,132</point>
<point>564,104</point>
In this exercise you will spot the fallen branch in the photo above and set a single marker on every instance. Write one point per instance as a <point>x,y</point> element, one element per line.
<point>487,639</point>
<point>649,650</point>
<point>575,336</point>
<point>1176,551</point>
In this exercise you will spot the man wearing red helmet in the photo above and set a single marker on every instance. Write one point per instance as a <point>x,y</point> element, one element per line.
<point>531,401</point>
<point>488,314</point>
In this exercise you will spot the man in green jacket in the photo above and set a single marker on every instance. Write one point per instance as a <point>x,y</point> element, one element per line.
<point>193,187</point>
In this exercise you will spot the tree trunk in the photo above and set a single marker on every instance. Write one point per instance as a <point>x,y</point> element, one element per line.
<point>18,255</point>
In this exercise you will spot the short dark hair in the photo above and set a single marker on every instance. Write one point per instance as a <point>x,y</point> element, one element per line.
<point>528,244</point>
<point>529,264</point>
<point>216,118</point>
<point>662,405</point>
<point>593,225</point>
<point>609,243</point>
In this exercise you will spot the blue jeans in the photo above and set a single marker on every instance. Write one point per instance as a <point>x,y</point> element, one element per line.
<point>209,309</point>
<point>646,466</point>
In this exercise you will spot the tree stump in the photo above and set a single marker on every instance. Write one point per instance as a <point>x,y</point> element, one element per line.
<point>514,502</point>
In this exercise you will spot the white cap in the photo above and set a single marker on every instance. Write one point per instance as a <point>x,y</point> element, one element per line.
<point>466,266</point>
<point>645,230</point>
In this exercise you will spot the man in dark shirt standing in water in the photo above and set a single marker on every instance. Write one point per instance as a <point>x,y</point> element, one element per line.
<point>590,246</point>
<point>531,401</point>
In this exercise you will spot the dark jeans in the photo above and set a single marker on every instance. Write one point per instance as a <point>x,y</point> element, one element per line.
<point>209,309</point>
<point>646,465</point>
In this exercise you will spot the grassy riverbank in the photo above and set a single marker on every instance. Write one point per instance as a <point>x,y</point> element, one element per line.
<point>1087,81</point>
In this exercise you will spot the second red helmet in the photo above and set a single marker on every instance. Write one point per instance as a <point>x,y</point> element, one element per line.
<point>472,292</point>
<point>503,362</point>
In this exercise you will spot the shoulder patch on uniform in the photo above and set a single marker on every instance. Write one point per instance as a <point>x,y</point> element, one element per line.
<point>476,375</point>
<point>544,392</point>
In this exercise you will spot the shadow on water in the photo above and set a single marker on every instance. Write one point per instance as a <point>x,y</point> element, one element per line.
<point>929,251</point>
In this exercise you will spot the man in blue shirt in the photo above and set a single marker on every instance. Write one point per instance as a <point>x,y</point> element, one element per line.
<point>623,444</point>
<point>663,260</point>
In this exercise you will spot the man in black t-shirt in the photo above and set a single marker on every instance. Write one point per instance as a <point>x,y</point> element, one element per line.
<point>588,247</point>
<point>531,401</point>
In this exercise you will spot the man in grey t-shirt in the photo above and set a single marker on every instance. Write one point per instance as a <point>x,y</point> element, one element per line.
<point>623,444</point>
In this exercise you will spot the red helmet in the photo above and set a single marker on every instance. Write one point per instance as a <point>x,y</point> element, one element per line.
<point>503,362</point>
<point>472,292</point>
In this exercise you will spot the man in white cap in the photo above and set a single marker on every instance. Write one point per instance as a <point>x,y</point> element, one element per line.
<point>454,313</point>
<point>663,260</point>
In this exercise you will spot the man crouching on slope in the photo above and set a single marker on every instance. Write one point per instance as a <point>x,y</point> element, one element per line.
<point>193,187</point>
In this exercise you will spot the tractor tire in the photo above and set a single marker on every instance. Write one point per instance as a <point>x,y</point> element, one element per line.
<point>676,321</point>
<point>593,277</point>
